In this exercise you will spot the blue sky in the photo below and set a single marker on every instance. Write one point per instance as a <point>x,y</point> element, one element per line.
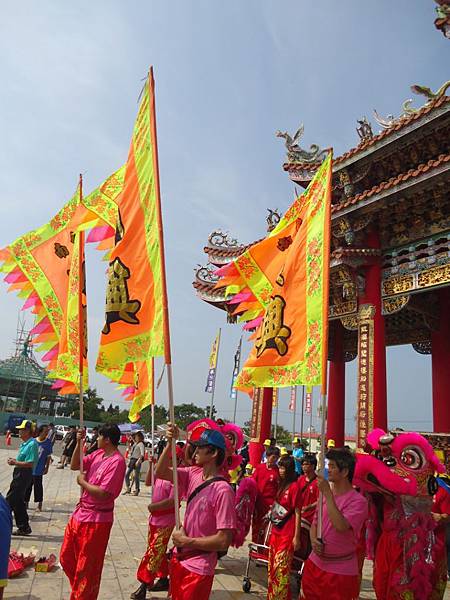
<point>228,75</point>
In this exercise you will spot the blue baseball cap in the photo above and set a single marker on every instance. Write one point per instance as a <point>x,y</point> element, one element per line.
<point>210,437</point>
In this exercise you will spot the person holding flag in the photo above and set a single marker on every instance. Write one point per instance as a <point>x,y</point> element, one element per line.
<point>87,532</point>
<point>210,517</point>
<point>332,568</point>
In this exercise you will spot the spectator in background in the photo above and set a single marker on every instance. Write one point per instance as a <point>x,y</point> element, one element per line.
<point>285,534</point>
<point>245,454</point>
<point>23,465</point>
<point>297,453</point>
<point>264,454</point>
<point>51,434</point>
<point>93,446</point>
<point>5,542</point>
<point>309,493</point>
<point>70,441</point>
<point>134,464</point>
<point>45,448</point>
<point>267,478</point>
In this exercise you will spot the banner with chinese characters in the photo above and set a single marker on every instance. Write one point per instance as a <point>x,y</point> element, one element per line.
<point>275,397</point>
<point>211,380</point>
<point>308,403</point>
<point>255,423</point>
<point>365,373</point>
<point>293,399</point>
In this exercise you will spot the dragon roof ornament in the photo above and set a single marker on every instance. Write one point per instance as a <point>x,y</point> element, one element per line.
<point>221,240</point>
<point>206,274</point>
<point>420,90</point>
<point>296,154</point>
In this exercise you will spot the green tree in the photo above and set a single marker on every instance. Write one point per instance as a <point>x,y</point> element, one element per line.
<point>161,417</point>
<point>92,405</point>
<point>186,413</point>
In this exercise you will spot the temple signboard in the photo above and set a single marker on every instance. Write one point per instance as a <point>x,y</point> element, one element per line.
<point>255,424</point>
<point>365,373</point>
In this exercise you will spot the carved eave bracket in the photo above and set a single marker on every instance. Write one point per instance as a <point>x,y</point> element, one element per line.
<point>393,305</point>
<point>346,228</point>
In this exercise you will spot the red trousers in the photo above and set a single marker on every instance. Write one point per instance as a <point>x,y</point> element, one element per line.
<point>185,585</point>
<point>281,552</point>
<point>82,555</point>
<point>154,563</point>
<point>319,585</point>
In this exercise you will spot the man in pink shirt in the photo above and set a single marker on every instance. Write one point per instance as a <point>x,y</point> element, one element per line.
<point>331,570</point>
<point>87,533</point>
<point>210,516</point>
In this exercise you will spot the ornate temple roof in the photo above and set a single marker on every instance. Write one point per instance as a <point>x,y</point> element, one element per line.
<point>409,120</point>
<point>432,167</point>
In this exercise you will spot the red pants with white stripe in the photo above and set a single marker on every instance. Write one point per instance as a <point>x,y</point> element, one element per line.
<point>185,585</point>
<point>319,585</point>
<point>154,563</point>
<point>82,555</point>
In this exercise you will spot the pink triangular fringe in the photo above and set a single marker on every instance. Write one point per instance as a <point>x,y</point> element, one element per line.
<point>98,234</point>
<point>253,324</point>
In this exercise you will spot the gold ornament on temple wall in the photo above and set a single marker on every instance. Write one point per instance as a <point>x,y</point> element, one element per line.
<point>434,276</point>
<point>366,312</point>
<point>393,305</point>
<point>398,284</point>
<point>350,322</point>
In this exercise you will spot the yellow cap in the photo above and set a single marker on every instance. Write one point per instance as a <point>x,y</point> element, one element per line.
<point>283,452</point>
<point>267,442</point>
<point>249,467</point>
<point>331,444</point>
<point>26,424</point>
<point>296,440</point>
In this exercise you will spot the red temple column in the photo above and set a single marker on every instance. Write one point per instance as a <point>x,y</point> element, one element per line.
<point>261,423</point>
<point>372,295</point>
<point>440,366</point>
<point>336,390</point>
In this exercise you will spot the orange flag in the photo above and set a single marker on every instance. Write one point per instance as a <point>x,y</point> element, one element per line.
<point>134,326</point>
<point>292,339</point>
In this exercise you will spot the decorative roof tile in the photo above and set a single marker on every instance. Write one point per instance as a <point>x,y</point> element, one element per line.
<point>393,181</point>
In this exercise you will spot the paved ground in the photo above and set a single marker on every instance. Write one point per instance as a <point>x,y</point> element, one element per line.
<point>126,546</point>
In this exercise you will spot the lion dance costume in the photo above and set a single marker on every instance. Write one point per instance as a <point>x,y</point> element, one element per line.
<point>400,483</point>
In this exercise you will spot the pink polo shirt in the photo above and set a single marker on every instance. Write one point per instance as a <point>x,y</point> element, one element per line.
<point>106,472</point>
<point>354,509</point>
<point>212,509</point>
<point>162,490</point>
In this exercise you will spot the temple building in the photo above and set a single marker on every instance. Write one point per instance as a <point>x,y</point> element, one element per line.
<point>390,255</point>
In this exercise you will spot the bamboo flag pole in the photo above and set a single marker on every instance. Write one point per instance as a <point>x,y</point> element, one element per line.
<point>211,406</point>
<point>153,426</point>
<point>81,324</point>
<point>326,292</point>
<point>167,349</point>
<point>239,351</point>
<point>303,413</point>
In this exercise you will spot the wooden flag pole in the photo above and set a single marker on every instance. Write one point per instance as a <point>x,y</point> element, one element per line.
<point>323,402</point>
<point>166,329</point>
<point>236,392</point>
<point>81,324</point>
<point>153,427</point>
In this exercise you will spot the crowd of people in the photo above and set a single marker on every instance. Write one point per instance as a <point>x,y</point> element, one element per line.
<point>315,519</point>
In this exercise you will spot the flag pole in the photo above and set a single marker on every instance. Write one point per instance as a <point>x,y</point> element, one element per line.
<point>81,324</point>
<point>325,302</point>
<point>236,391</point>
<point>215,376</point>
<point>295,414</point>
<point>153,426</point>
<point>166,328</point>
